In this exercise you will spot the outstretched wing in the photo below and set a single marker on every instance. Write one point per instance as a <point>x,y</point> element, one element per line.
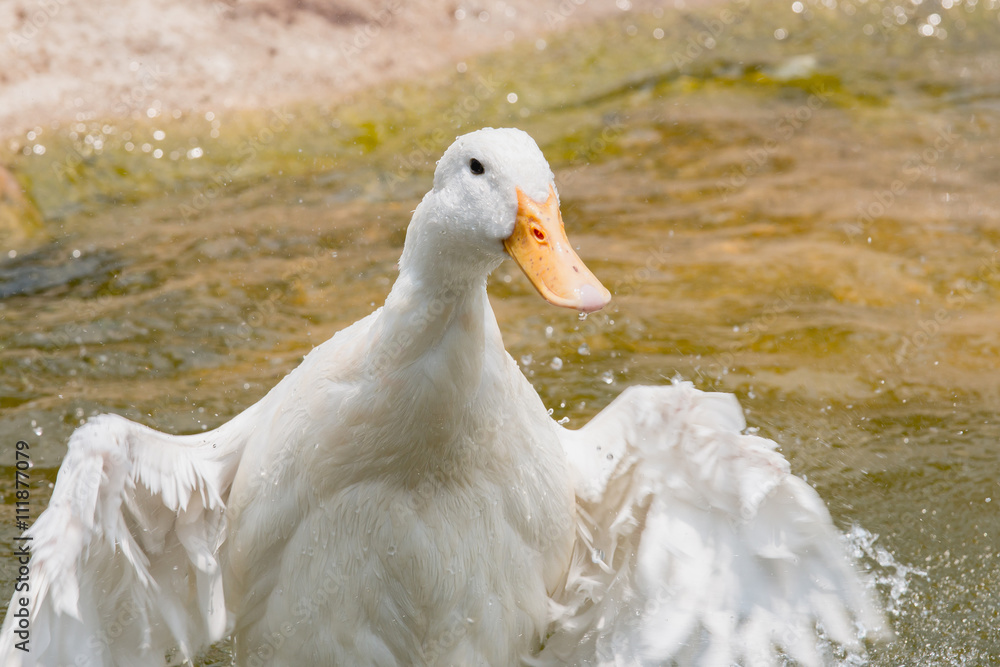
<point>123,563</point>
<point>697,546</point>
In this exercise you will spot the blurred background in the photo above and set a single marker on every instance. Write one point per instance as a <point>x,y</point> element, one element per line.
<point>795,201</point>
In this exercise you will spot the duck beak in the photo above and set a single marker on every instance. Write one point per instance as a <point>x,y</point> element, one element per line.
<point>540,247</point>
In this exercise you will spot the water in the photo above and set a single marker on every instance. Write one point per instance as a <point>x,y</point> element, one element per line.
<point>804,213</point>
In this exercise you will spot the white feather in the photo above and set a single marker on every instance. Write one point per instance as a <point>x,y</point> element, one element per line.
<point>404,498</point>
<point>124,560</point>
<point>700,547</point>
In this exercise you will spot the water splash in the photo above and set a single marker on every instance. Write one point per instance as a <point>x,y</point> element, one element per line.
<point>887,574</point>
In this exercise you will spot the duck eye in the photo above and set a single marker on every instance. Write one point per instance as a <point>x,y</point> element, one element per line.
<point>476,167</point>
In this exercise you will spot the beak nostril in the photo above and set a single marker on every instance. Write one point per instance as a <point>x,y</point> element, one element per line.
<point>552,266</point>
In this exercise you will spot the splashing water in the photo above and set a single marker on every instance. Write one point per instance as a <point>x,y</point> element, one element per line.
<point>888,575</point>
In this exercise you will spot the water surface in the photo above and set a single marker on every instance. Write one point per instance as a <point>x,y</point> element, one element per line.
<point>796,202</point>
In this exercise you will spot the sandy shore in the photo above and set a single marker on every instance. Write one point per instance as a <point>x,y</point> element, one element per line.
<point>81,61</point>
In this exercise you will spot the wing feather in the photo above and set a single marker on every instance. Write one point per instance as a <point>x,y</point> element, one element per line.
<point>124,560</point>
<point>698,546</point>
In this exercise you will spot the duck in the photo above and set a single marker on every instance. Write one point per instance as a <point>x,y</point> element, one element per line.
<point>403,496</point>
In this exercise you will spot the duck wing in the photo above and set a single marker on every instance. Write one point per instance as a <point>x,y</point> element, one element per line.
<point>124,560</point>
<point>696,545</point>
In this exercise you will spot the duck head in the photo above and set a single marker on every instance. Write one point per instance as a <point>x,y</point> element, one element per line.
<point>494,197</point>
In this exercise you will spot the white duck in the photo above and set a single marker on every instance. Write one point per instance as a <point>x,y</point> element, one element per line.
<point>403,497</point>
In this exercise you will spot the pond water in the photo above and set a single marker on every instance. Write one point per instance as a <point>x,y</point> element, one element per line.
<point>796,202</point>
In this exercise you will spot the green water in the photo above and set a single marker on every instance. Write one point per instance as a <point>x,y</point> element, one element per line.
<point>810,221</point>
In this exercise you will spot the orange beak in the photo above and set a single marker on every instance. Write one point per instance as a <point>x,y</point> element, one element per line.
<point>540,247</point>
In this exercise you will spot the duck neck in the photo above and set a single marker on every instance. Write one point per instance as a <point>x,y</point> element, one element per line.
<point>436,352</point>
<point>439,257</point>
<point>432,354</point>
<point>437,311</point>
<point>422,315</point>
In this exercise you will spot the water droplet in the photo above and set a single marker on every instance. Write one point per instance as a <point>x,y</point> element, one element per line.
<point>583,350</point>
<point>526,360</point>
<point>556,364</point>
<point>391,550</point>
<point>607,377</point>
